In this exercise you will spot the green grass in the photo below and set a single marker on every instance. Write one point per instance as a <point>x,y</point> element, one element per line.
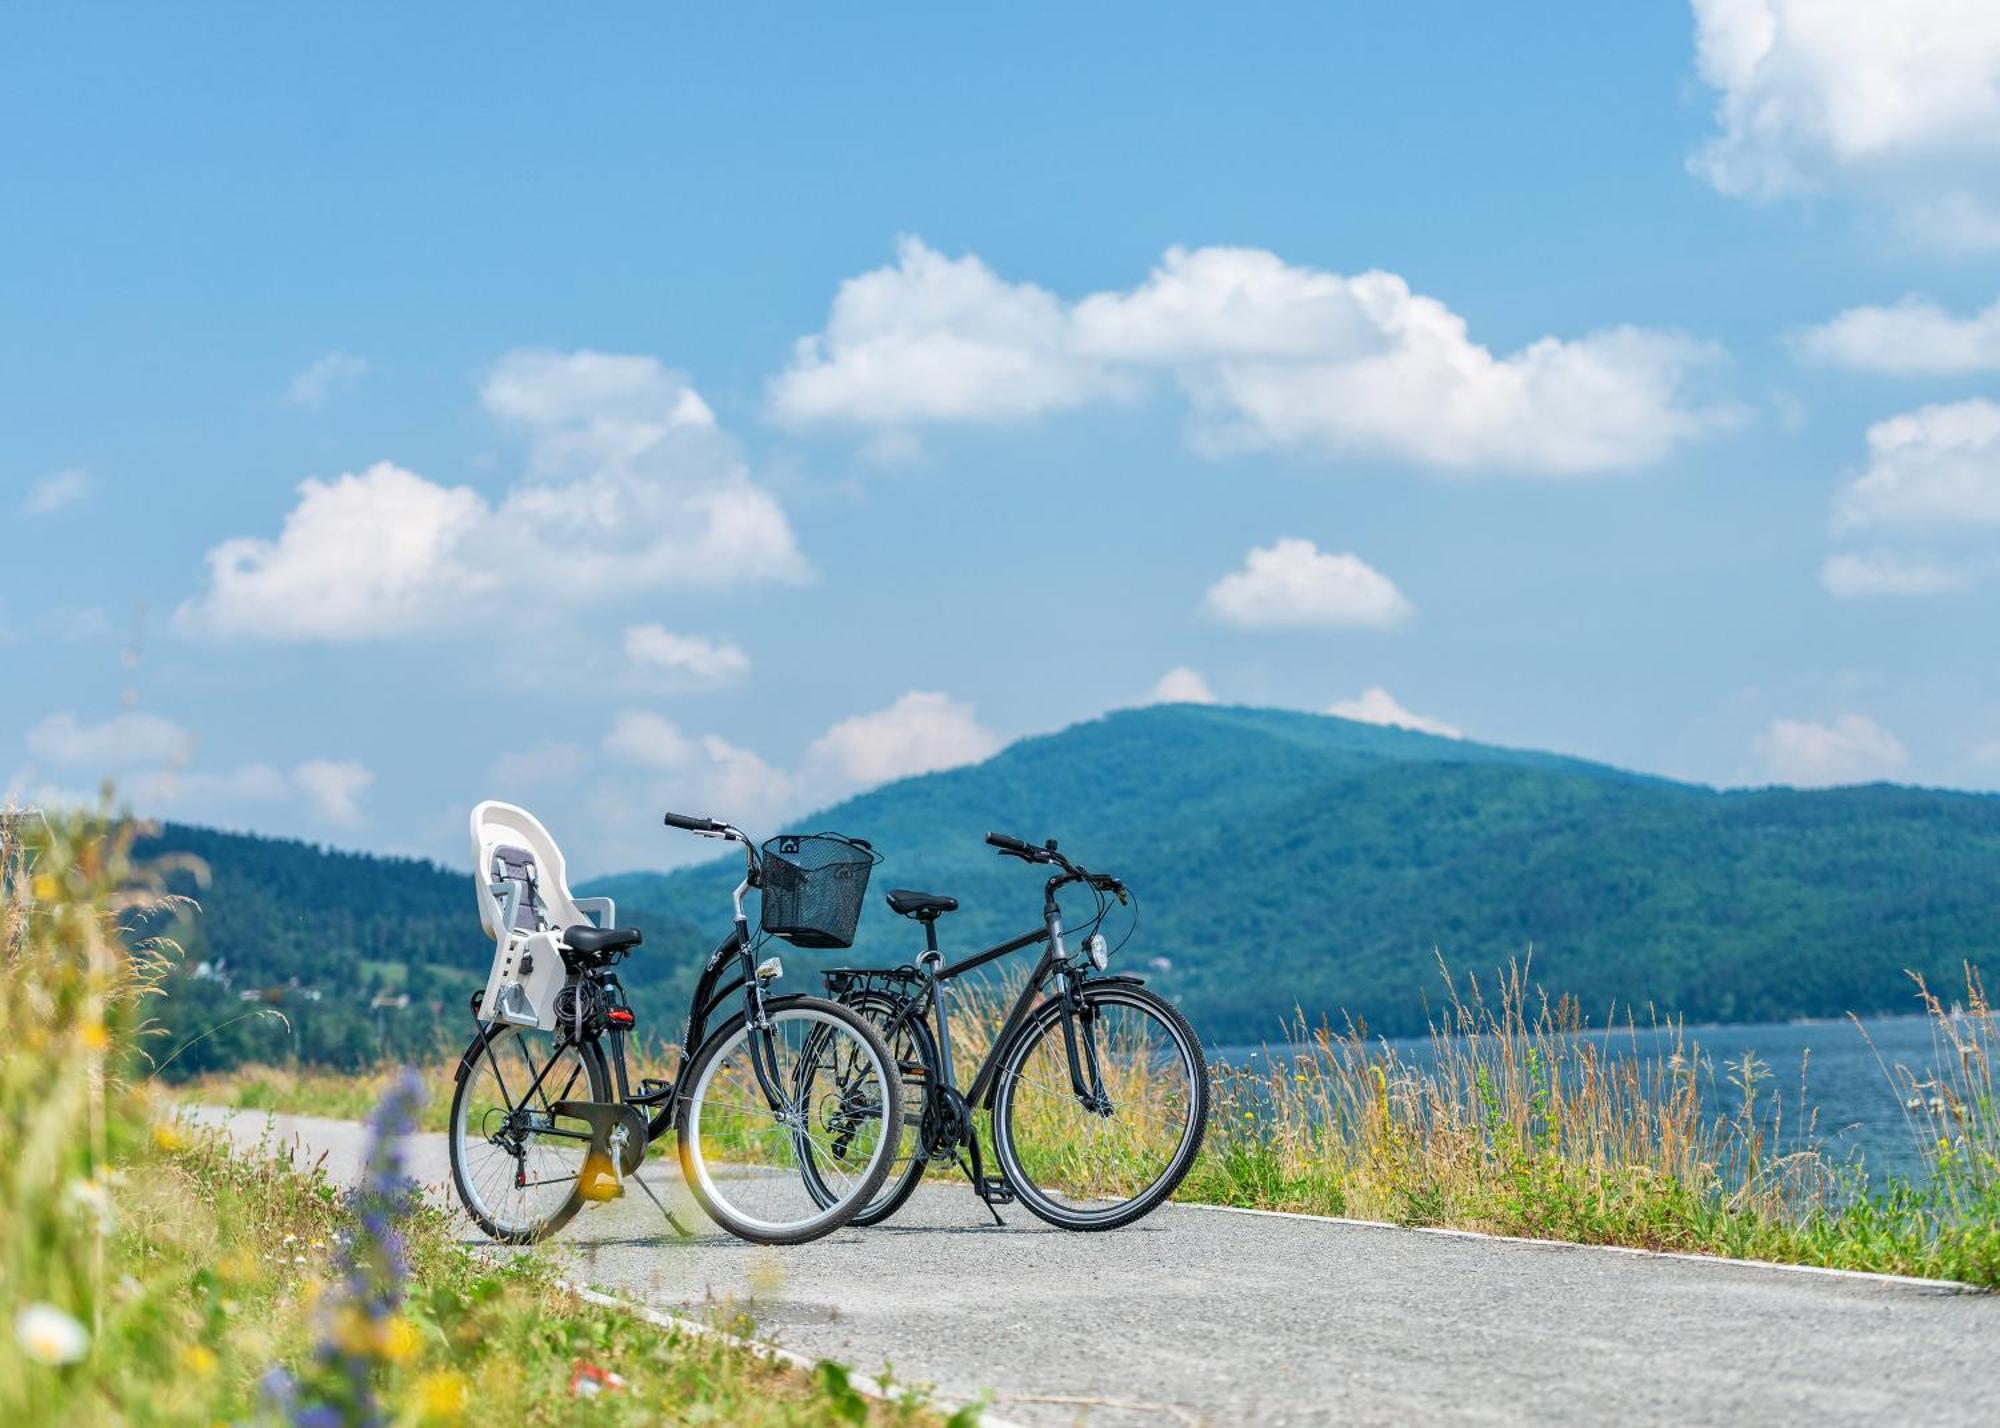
<point>147,1275</point>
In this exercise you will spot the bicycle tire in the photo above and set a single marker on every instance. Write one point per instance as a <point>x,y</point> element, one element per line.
<point>695,1164</point>
<point>900,1185</point>
<point>1040,1023</point>
<point>466,1182</point>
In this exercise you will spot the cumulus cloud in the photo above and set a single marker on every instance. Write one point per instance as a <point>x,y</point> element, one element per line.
<point>654,647</point>
<point>333,788</point>
<point>150,759</point>
<point>1181,685</point>
<point>919,733</point>
<point>1267,353</point>
<point>631,487</point>
<point>1900,101</point>
<point>933,338</point>
<point>124,741</point>
<point>1850,748</point>
<point>552,761</point>
<point>57,490</point>
<point>1292,584</point>
<point>329,374</point>
<point>1375,705</point>
<point>1911,336</point>
<point>1936,468</point>
<point>1852,574</point>
<point>640,737</point>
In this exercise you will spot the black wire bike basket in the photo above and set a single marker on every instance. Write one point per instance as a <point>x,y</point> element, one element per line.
<point>813,885</point>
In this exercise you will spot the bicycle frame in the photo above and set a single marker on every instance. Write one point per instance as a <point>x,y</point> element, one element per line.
<point>727,971</point>
<point>1085,1077</point>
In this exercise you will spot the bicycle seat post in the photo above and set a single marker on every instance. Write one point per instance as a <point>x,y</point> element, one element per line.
<point>931,960</point>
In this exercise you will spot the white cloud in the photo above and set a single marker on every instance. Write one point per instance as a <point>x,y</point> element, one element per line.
<point>1268,354</point>
<point>329,374</point>
<point>124,741</point>
<point>640,737</point>
<point>1911,336</point>
<point>632,488</point>
<point>1851,748</point>
<point>200,792</point>
<point>1375,705</point>
<point>56,491</point>
<point>1293,584</point>
<point>919,733</point>
<point>333,787</point>
<point>1936,468</point>
<point>1181,685</point>
<point>936,339</point>
<point>738,780</point>
<point>1852,574</point>
<point>655,647</point>
<point>551,761</point>
<point>1897,100</point>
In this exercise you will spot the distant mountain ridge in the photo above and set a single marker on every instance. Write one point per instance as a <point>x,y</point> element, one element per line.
<point>1297,860</point>
<point>1281,859</point>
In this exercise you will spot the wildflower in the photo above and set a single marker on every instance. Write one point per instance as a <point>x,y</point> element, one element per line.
<point>442,1396</point>
<point>169,1137</point>
<point>92,1198</point>
<point>199,1360</point>
<point>398,1340</point>
<point>95,1037</point>
<point>49,1336</point>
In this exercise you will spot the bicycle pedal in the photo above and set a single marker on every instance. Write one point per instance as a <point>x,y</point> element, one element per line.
<point>599,1180</point>
<point>996,1191</point>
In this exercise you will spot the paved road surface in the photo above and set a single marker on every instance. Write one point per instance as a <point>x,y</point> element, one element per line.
<point>1204,1316</point>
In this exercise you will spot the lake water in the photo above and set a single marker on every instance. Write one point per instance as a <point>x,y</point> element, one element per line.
<point>1859,1109</point>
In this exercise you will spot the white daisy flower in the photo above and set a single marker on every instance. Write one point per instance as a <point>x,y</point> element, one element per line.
<point>49,1336</point>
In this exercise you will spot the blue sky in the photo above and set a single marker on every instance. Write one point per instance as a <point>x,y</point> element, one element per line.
<point>725,411</point>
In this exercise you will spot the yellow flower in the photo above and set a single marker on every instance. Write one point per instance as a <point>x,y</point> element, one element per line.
<point>442,1397</point>
<point>199,1360</point>
<point>400,1340</point>
<point>352,1334</point>
<point>168,1137</point>
<point>43,888</point>
<point>95,1037</point>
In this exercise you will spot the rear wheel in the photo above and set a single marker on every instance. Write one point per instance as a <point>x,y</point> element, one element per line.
<point>788,1155</point>
<point>515,1163</point>
<point>914,1050</point>
<point>1104,1158</point>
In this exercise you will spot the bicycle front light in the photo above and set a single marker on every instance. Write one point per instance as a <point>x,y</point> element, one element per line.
<point>1094,948</point>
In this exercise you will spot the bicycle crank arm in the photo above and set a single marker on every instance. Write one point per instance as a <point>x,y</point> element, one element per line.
<point>617,1145</point>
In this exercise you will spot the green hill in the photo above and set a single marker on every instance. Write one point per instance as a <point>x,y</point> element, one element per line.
<point>1281,860</point>
<point>1294,859</point>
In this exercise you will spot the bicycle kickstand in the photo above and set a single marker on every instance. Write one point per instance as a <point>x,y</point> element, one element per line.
<point>682,1230</point>
<point>976,1173</point>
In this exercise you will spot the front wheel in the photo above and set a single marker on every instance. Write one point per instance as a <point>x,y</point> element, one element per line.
<point>1099,1114</point>
<point>810,1102</point>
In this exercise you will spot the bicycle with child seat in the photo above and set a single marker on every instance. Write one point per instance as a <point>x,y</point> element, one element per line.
<point>779,1090</point>
<point>1096,1085</point>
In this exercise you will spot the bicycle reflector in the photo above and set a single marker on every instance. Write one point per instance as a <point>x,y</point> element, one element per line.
<point>1094,948</point>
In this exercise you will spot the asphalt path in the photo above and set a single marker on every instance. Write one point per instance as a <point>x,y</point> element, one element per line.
<point>1199,1315</point>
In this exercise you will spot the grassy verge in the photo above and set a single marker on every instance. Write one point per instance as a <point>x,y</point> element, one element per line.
<point>149,1276</point>
<point>1522,1121</point>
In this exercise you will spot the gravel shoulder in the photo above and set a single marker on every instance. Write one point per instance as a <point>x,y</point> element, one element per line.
<point>1205,1316</point>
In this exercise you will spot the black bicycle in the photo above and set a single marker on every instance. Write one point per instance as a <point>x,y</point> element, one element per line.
<point>782,1091</point>
<point>1097,1088</point>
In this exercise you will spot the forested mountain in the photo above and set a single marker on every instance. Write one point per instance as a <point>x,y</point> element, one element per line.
<point>1281,860</point>
<point>1290,859</point>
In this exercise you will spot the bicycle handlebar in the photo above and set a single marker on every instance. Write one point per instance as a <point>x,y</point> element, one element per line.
<point>1029,853</point>
<point>693,825</point>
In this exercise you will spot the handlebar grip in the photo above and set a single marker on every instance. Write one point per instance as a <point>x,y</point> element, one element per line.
<point>1013,845</point>
<point>693,825</point>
